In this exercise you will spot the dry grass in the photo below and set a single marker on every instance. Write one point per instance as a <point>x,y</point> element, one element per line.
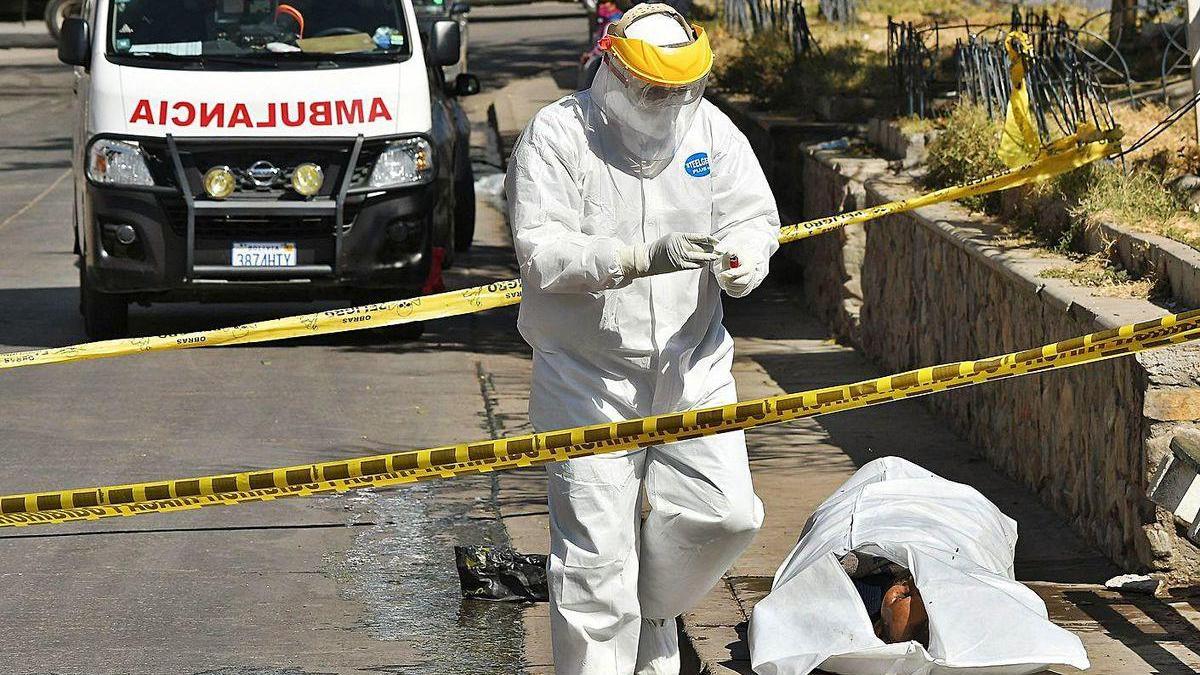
<point>966,149</point>
<point>1105,277</point>
<point>1135,195</point>
<point>980,12</point>
<point>853,58</point>
<point>1173,152</point>
<point>765,69</point>
<point>1139,198</point>
<point>1016,239</point>
<point>911,124</point>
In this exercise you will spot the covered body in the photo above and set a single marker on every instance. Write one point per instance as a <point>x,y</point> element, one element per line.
<point>959,548</point>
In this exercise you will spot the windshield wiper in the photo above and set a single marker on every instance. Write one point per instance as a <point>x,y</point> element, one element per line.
<point>330,56</point>
<point>198,59</point>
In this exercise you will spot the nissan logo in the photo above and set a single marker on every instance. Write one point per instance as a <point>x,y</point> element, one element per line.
<point>263,173</point>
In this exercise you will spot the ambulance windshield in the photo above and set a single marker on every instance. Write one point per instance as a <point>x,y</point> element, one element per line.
<point>254,30</point>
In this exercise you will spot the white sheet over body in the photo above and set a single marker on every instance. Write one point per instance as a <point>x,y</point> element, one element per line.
<point>959,547</point>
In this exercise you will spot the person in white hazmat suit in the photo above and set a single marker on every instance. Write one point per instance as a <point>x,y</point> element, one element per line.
<point>626,203</point>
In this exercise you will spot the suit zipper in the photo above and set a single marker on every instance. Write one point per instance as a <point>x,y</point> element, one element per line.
<point>654,357</point>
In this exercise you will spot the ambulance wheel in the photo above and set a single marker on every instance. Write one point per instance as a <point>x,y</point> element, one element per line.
<point>76,248</point>
<point>57,11</point>
<point>464,212</point>
<point>105,316</point>
<point>409,332</point>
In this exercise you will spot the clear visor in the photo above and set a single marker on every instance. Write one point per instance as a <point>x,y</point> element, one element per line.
<point>642,121</point>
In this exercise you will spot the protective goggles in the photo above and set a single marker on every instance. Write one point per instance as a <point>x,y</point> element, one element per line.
<point>670,67</point>
<point>651,95</point>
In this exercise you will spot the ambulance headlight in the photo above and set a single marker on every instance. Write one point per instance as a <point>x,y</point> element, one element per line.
<point>405,162</point>
<point>307,179</point>
<point>118,163</point>
<point>219,182</point>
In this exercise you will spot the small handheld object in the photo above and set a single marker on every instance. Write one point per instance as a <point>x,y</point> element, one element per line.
<point>734,263</point>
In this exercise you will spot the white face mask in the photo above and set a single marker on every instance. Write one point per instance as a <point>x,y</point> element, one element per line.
<point>647,121</point>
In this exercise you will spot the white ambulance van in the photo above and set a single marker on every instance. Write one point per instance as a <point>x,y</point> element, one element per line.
<point>235,150</point>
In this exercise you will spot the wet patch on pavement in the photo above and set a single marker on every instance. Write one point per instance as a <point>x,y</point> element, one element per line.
<point>402,571</point>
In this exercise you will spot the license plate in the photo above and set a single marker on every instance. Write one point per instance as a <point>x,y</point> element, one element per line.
<point>260,254</point>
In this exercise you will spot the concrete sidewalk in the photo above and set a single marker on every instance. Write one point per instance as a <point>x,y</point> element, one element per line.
<point>31,34</point>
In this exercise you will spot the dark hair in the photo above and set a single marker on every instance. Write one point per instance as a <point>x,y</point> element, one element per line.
<point>922,634</point>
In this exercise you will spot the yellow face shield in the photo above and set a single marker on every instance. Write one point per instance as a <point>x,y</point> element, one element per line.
<point>662,66</point>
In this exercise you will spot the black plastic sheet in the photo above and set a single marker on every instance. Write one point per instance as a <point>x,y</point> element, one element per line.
<point>500,573</point>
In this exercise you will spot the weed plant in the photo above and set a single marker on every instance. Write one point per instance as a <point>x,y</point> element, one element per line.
<point>963,151</point>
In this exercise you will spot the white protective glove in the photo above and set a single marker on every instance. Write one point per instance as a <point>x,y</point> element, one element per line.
<point>737,282</point>
<point>669,253</point>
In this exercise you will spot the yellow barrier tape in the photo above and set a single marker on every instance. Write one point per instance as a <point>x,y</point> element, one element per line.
<point>424,308</point>
<point>1019,141</point>
<point>1087,146</point>
<point>380,471</point>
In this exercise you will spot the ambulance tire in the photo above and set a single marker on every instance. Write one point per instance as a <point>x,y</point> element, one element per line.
<point>76,248</point>
<point>105,316</point>
<point>57,11</point>
<point>409,332</point>
<point>464,211</point>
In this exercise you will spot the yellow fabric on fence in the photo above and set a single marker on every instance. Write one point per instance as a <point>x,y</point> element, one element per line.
<point>1019,142</point>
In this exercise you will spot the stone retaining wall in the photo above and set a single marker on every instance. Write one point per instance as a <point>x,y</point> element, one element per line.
<point>938,288</point>
<point>941,285</point>
<point>830,265</point>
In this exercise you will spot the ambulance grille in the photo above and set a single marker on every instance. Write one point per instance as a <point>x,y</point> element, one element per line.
<point>198,156</point>
<point>256,228</point>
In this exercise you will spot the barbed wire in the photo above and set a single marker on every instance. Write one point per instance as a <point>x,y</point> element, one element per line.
<point>1071,73</point>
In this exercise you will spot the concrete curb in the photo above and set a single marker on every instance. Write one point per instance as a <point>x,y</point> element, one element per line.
<point>1176,263</point>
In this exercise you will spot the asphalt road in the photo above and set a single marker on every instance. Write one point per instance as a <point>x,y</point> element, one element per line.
<point>360,583</point>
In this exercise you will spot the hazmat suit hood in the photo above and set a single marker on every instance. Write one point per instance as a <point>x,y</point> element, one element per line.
<point>649,86</point>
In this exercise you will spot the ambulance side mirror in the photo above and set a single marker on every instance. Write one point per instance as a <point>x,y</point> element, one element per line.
<point>75,42</point>
<point>445,40</point>
<point>466,84</point>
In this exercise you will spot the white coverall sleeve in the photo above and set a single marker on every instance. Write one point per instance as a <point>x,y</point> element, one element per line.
<point>745,217</point>
<point>545,207</point>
